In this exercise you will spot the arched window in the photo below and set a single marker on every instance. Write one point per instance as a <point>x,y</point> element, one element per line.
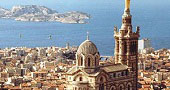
<point>132,67</point>
<point>114,74</point>
<point>125,47</point>
<point>89,62</point>
<point>122,73</point>
<point>81,61</point>
<point>113,88</point>
<point>101,79</point>
<point>126,72</point>
<point>118,45</point>
<point>128,87</point>
<point>120,88</point>
<point>95,61</point>
<point>101,86</point>
<point>81,79</point>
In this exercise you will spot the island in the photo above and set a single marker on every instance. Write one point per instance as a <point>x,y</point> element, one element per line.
<point>37,13</point>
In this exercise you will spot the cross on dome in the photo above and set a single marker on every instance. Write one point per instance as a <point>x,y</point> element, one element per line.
<point>127,4</point>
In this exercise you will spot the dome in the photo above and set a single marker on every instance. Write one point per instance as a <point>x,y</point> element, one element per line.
<point>87,47</point>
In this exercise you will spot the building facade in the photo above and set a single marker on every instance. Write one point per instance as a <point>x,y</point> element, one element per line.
<point>144,43</point>
<point>144,46</point>
<point>88,74</point>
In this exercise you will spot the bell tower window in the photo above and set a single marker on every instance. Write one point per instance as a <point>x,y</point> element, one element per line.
<point>125,47</point>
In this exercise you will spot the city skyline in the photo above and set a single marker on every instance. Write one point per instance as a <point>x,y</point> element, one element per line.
<point>108,12</point>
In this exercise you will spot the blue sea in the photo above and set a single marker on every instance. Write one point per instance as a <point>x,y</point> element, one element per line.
<point>153,17</point>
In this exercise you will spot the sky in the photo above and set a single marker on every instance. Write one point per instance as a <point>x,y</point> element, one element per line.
<point>10,3</point>
<point>156,10</point>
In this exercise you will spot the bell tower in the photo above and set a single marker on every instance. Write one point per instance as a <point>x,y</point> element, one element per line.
<point>126,42</point>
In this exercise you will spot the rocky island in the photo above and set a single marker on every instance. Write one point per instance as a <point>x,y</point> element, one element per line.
<point>41,13</point>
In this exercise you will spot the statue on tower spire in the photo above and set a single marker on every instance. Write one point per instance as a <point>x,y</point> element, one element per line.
<point>127,4</point>
<point>126,18</point>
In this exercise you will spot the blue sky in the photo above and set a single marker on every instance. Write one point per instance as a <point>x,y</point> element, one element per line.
<point>60,4</point>
<point>9,3</point>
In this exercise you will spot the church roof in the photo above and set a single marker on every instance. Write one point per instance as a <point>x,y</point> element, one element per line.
<point>76,69</point>
<point>87,47</point>
<point>114,68</point>
<point>72,70</point>
<point>108,69</point>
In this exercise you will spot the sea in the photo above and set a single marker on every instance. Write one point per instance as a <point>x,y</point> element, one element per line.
<point>153,17</point>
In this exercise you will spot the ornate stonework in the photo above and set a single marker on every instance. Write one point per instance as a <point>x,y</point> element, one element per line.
<point>126,43</point>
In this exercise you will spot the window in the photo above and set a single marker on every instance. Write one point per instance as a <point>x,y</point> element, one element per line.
<point>89,62</point>
<point>101,79</point>
<point>125,47</point>
<point>133,47</point>
<point>117,45</point>
<point>36,75</point>
<point>122,73</point>
<point>126,72</point>
<point>90,80</point>
<point>114,74</point>
<point>101,86</point>
<point>120,88</point>
<point>118,75</point>
<point>81,79</point>
<point>128,87</point>
<point>113,88</point>
<point>81,61</point>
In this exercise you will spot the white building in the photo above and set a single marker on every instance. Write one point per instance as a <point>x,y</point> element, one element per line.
<point>144,46</point>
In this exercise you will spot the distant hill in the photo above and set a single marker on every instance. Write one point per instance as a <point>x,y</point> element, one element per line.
<point>42,13</point>
<point>4,12</point>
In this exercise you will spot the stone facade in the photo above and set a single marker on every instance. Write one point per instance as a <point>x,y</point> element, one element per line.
<point>126,43</point>
<point>88,74</point>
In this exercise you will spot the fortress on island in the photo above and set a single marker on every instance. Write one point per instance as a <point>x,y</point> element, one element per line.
<point>89,74</point>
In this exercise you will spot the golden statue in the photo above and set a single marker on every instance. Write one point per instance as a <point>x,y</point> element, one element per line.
<point>127,4</point>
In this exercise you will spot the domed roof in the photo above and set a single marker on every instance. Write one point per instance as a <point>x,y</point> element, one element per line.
<point>87,47</point>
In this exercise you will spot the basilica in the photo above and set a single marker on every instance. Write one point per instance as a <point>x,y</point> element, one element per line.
<point>89,74</point>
